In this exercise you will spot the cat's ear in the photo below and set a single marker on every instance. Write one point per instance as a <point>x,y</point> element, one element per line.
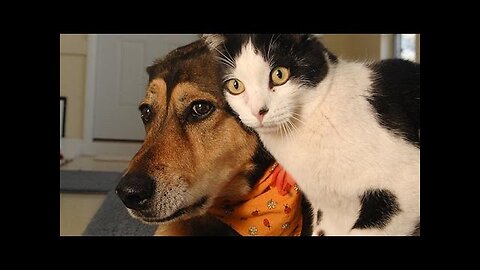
<point>299,38</point>
<point>213,40</point>
<point>304,37</point>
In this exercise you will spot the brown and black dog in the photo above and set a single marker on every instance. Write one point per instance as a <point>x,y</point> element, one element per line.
<point>195,152</point>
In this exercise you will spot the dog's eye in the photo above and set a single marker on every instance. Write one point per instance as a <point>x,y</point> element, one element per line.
<point>146,113</point>
<point>200,110</point>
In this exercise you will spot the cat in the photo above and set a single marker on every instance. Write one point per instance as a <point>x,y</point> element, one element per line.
<point>348,132</point>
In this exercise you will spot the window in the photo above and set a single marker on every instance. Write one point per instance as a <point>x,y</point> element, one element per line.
<point>405,46</point>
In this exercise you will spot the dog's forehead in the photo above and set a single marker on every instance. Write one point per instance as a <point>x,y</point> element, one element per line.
<point>156,86</point>
<point>192,64</point>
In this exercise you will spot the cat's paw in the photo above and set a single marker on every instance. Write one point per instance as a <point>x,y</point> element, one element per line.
<point>318,232</point>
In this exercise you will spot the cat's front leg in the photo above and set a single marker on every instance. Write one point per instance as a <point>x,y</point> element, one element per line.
<point>318,231</point>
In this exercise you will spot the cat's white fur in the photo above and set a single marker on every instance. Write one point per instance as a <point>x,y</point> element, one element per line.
<point>335,148</point>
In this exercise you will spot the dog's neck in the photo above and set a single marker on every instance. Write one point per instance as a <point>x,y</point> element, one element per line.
<point>265,210</point>
<point>247,175</point>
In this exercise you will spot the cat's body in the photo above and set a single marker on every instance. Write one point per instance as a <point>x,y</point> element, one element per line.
<point>347,132</point>
<point>343,148</point>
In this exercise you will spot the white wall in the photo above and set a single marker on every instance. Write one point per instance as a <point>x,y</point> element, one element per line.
<point>73,52</point>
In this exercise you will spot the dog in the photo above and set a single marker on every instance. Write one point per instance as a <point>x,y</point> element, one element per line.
<point>196,152</point>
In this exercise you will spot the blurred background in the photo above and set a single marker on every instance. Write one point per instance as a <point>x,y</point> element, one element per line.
<point>102,81</point>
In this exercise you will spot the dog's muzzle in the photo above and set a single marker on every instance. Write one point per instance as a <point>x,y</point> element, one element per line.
<point>136,191</point>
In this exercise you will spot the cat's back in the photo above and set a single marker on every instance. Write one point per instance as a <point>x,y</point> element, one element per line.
<point>395,95</point>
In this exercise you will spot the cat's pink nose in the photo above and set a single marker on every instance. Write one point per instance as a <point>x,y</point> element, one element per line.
<point>261,113</point>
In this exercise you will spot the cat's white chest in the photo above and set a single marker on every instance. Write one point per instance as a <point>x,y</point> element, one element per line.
<point>323,178</point>
<point>319,159</point>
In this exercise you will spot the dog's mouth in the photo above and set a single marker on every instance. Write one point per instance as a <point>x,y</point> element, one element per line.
<point>180,212</point>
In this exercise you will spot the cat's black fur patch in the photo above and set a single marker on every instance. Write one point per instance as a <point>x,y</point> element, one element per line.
<point>304,55</point>
<point>319,217</point>
<point>396,97</point>
<point>333,58</point>
<point>416,231</point>
<point>378,208</point>
<point>307,217</point>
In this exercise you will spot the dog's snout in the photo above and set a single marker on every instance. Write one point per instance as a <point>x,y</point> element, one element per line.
<point>136,191</point>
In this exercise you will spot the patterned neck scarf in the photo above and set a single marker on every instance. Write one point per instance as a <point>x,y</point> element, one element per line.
<point>272,208</point>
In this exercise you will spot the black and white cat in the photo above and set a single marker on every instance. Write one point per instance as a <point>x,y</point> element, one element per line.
<point>348,132</point>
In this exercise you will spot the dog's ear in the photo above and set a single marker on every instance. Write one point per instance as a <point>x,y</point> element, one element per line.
<point>213,40</point>
<point>151,71</point>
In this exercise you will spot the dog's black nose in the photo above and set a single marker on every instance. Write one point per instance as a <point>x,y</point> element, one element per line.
<point>136,191</point>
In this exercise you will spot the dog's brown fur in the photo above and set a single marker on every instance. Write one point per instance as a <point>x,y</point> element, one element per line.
<point>214,158</point>
<point>189,160</point>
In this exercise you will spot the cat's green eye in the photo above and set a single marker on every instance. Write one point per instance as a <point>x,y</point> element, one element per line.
<point>279,75</point>
<point>234,86</point>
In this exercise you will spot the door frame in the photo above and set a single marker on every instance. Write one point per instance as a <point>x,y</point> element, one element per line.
<point>115,150</point>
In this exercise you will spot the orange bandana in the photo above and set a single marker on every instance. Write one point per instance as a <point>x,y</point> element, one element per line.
<point>266,210</point>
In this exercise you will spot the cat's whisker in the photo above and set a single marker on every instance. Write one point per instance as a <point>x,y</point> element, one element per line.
<point>282,125</point>
<point>272,42</point>
<point>297,114</point>
<point>223,61</point>
<point>294,127</point>
<point>299,118</point>
<point>290,130</point>
<point>231,58</point>
<point>268,51</point>
<point>276,39</point>
<point>281,132</point>
<point>226,58</point>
